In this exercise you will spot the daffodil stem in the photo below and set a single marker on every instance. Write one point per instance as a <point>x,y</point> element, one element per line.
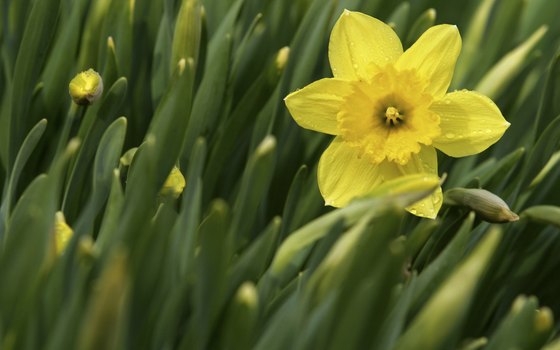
<point>67,127</point>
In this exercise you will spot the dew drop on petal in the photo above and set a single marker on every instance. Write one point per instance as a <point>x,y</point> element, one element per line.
<point>450,135</point>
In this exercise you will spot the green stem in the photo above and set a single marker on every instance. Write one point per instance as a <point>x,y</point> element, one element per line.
<point>65,134</point>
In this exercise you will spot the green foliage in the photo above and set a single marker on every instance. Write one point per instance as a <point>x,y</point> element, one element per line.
<point>249,256</point>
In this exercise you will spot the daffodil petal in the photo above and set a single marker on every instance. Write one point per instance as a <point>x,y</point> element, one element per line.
<point>315,106</point>
<point>433,57</point>
<point>359,43</point>
<point>423,162</point>
<point>342,175</point>
<point>470,123</point>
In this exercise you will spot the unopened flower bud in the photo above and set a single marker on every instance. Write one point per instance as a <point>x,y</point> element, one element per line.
<point>174,184</point>
<point>62,232</point>
<point>544,320</point>
<point>126,159</point>
<point>86,87</point>
<point>282,57</point>
<point>486,204</point>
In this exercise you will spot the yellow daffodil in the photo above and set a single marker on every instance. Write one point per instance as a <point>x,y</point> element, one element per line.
<point>390,110</point>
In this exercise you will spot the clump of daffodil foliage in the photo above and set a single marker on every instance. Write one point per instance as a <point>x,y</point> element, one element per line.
<point>160,189</point>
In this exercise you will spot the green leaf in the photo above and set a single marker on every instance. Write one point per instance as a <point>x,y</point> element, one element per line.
<point>422,23</point>
<point>399,18</point>
<point>186,37</point>
<point>544,214</point>
<point>109,107</point>
<point>103,324</point>
<point>208,102</point>
<point>472,42</point>
<point>295,248</point>
<point>518,328</point>
<point>495,82</point>
<point>210,289</point>
<point>39,29</point>
<point>255,182</point>
<point>549,106</point>
<point>544,148</point>
<point>442,314</point>
<point>184,231</point>
<point>30,230</point>
<point>57,74</point>
<point>240,319</point>
<point>27,147</point>
<point>439,269</point>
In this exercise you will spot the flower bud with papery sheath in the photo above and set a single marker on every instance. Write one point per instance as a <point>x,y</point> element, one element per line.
<point>486,204</point>
<point>86,87</point>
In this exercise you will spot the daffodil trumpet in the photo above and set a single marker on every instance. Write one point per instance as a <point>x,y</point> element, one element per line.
<point>389,110</point>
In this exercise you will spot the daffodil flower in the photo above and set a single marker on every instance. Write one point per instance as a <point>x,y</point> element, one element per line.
<point>390,110</point>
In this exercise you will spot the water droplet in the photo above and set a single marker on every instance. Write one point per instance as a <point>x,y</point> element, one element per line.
<point>436,200</point>
<point>413,211</point>
<point>447,102</point>
<point>355,66</point>
<point>450,135</point>
<point>487,131</point>
<point>352,43</point>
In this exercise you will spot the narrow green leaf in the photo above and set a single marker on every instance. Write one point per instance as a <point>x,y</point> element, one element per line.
<point>549,106</point>
<point>208,102</point>
<point>439,269</point>
<point>517,328</point>
<point>399,18</point>
<point>27,147</point>
<point>255,182</point>
<point>39,29</point>
<point>544,214</point>
<point>184,232</point>
<point>107,112</point>
<point>472,42</point>
<point>57,73</point>
<point>240,318</point>
<point>254,260</point>
<point>446,309</point>
<point>186,37</point>
<point>103,324</point>
<point>502,73</point>
<point>422,23</point>
<point>212,263</point>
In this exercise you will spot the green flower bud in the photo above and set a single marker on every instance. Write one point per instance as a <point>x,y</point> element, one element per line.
<point>544,320</point>
<point>86,87</point>
<point>487,205</point>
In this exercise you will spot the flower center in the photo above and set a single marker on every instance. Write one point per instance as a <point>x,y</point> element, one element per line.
<point>392,116</point>
<point>389,117</point>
